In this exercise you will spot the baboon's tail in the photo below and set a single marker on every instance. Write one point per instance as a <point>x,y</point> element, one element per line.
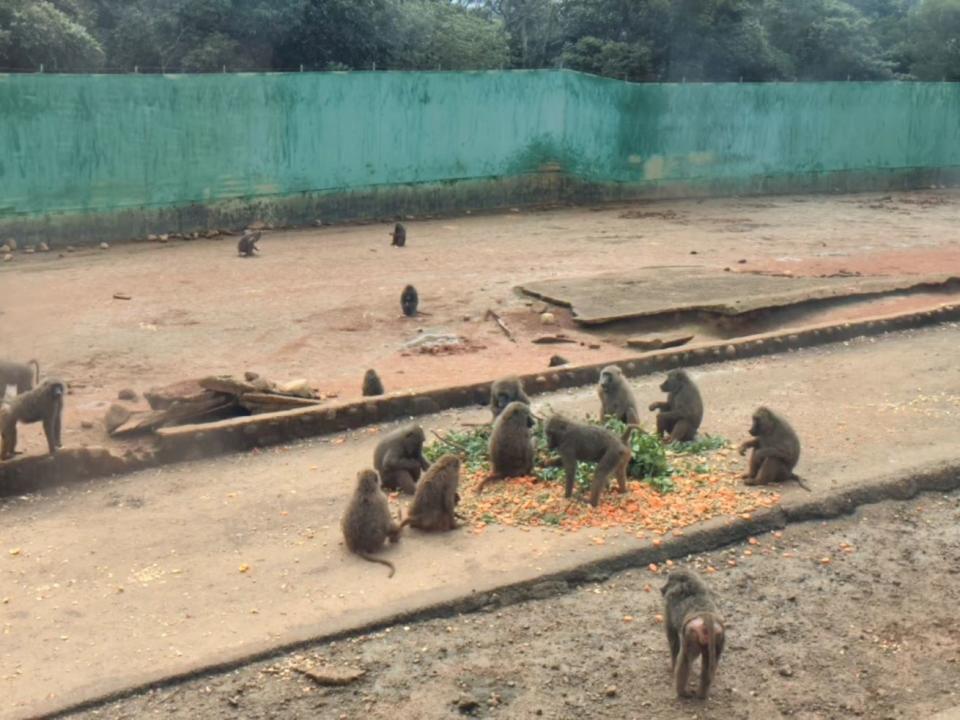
<point>371,558</point>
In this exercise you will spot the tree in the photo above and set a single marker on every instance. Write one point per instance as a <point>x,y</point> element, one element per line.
<point>37,32</point>
<point>436,33</point>
<point>630,61</point>
<point>935,40</point>
<point>825,40</point>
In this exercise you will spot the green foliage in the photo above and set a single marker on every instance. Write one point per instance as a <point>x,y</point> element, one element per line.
<point>610,58</point>
<point>935,40</point>
<point>436,34</point>
<point>649,462</point>
<point>703,443</point>
<point>37,32</point>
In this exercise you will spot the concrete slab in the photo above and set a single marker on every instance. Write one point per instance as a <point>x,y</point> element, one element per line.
<point>651,291</point>
<point>165,571</point>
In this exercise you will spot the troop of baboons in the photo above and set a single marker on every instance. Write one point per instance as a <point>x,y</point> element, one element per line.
<point>695,629</point>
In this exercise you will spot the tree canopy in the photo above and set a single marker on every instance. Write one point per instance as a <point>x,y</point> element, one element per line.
<point>641,40</point>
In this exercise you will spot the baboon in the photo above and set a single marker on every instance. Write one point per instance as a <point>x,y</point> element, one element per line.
<point>616,396</point>
<point>247,246</point>
<point>776,449</point>
<point>511,444</point>
<point>579,442</point>
<point>399,235</point>
<point>409,301</point>
<point>435,502</point>
<point>680,416</point>
<point>367,523</point>
<point>371,383</point>
<point>694,628</point>
<point>505,391</point>
<point>42,404</point>
<point>19,374</point>
<point>399,459</point>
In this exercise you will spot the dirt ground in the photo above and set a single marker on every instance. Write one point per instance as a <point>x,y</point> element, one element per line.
<point>845,619</point>
<point>123,580</point>
<point>323,304</point>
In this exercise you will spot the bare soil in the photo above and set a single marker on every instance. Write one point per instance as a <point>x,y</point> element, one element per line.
<point>323,304</point>
<point>840,620</point>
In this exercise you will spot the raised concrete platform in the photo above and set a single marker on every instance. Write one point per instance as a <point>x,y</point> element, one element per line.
<point>651,291</point>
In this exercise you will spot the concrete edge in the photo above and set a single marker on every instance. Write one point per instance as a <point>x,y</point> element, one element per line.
<point>711,535</point>
<point>194,442</point>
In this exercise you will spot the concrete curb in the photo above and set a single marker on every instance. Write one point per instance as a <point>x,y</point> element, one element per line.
<point>194,442</point>
<point>712,535</point>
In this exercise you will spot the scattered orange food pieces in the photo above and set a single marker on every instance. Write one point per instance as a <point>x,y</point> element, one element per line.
<point>652,567</point>
<point>628,618</point>
<point>244,568</point>
<point>753,541</point>
<point>658,617</point>
<point>825,561</point>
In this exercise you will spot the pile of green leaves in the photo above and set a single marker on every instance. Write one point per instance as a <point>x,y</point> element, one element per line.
<point>649,457</point>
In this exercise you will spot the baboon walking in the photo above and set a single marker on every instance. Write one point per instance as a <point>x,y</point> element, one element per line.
<point>42,404</point>
<point>579,442</point>
<point>367,524</point>
<point>694,629</point>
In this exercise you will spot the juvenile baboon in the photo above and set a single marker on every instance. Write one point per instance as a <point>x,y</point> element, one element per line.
<point>776,449</point>
<point>371,383</point>
<point>42,404</point>
<point>435,502</point>
<point>511,444</point>
<point>694,628</point>
<point>19,374</point>
<point>409,301</point>
<point>616,396</point>
<point>248,244</point>
<point>680,416</point>
<point>399,235</point>
<point>579,442</point>
<point>505,391</point>
<point>367,523</point>
<point>399,458</point>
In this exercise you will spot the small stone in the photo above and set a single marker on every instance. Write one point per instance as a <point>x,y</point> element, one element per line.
<point>786,671</point>
<point>548,318</point>
<point>8,257</point>
<point>163,238</point>
<point>467,705</point>
<point>611,691</point>
<point>558,360</point>
<point>43,247</point>
<point>5,248</point>
<point>12,243</point>
<point>731,351</point>
<point>103,246</point>
<point>152,238</point>
<point>116,416</point>
<point>741,262</point>
<point>86,424</point>
<point>128,394</point>
<point>29,250</point>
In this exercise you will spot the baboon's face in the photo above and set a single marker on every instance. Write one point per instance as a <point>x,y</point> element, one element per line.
<point>673,383</point>
<point>761,423</point>
<point>608,377</point>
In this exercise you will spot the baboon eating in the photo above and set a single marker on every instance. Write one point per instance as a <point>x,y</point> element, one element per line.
<point>694,628</point>
<point>399,459</point>
<point>409,301</point>
<point>579,442</point>
<point>776,449</point>
<point>616,396</point>
<point>247,246</point>
<point>42,404</point>
<point>367,523</point>
<point>505,391</point>
<point>511,444</point>
<point>371,383</point>
<point>399,235</point>
<point>680,416</point>
<point>435,502</point>
<point>19,374</point>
